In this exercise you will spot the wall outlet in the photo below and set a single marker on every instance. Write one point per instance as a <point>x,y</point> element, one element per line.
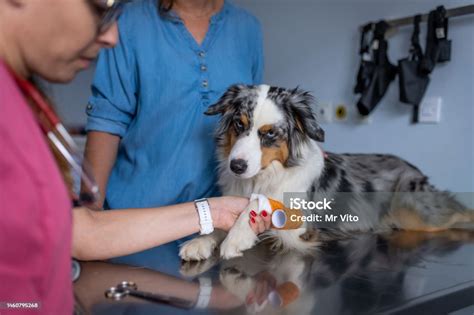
<point>324,112</point>
<point>429,110</point>
<point>341,112</point>
<point>364,120</point>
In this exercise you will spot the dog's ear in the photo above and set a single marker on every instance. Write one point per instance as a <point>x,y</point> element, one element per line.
<point>305,119</point>
<point>214,109</point>
<point>225,102</point>
<point>218,108</point>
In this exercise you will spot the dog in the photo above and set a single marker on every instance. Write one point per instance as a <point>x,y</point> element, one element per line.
<point>267,143</point>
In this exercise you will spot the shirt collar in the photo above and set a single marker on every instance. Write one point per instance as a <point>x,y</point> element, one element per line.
<point>173,16</point>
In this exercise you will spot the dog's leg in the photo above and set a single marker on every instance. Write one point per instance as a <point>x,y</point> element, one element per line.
<point>241,236</point>
<point>195,268</point>
<point>413,239</point>
<point>410,220</point>
<point>237,282</point>
<point>201,247</point>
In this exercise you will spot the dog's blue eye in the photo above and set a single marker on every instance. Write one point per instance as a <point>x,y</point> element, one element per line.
<point>267,135</point>
<point>238,125</point>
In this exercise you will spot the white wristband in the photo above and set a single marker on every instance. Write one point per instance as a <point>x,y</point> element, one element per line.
<point>205,289</point>
<point>205,218</point>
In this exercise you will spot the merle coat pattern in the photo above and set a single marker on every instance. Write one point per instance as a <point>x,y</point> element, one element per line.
<point>272,132</point>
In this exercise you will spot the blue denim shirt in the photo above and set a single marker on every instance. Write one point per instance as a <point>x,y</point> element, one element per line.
<point>152,89</point>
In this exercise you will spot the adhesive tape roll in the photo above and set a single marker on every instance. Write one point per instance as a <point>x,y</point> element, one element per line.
<point>284,294</point>
<point>284,218</point>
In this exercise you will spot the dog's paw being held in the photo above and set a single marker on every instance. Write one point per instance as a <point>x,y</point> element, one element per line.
<point>195,268</point>
<point>237,242</point>
<point>200,248</point>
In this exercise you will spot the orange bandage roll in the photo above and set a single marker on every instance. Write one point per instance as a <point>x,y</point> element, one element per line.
<point>284,294</point>
<point>283,218</point>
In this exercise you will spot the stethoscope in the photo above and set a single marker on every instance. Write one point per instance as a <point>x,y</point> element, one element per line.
<point>62,141</point>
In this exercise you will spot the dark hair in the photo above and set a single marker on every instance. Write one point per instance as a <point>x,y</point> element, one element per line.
<point>165,6</point>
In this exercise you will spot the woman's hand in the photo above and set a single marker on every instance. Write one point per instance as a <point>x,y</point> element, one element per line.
<point>260,222</point>
<point>226,210</point>
<point>264,284</point>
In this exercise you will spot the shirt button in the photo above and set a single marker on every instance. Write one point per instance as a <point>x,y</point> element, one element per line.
<point>205,83</point>
<point>201,54</point>
<point>203,68</point>
<point>89,106</point>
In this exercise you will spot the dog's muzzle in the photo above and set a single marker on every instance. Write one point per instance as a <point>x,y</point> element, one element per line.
<point>238,166</point>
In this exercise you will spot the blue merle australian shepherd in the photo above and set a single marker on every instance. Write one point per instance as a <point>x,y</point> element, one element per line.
<point>267,144</point>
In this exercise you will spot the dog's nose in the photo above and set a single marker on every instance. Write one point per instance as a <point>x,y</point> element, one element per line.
<point>238,166</point>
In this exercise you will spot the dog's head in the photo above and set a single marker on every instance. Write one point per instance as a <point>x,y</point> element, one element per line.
<point>261,125</point>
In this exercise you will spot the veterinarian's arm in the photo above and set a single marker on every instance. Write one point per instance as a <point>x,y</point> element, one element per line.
<point>106,234</point>
<point>101,153</point>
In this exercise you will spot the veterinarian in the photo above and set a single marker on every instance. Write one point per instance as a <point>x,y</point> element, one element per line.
<point>149,142</point>
<point>54,39</point>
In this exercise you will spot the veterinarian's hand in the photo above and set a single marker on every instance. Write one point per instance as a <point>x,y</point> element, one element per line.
<point>225,210</point>
<point>260,222</point>
<point>264,284</point>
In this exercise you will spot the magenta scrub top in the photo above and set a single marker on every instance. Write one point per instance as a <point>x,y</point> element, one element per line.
<point>35,213</point>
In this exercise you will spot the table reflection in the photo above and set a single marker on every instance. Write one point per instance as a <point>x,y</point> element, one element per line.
<point>364,274</point>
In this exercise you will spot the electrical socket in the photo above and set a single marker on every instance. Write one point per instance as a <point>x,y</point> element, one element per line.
<point>430,110</point>
<point>364,120</point>
<point>341,112</point>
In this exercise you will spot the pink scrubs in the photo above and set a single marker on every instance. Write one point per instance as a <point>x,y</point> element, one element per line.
<point>35,213</point>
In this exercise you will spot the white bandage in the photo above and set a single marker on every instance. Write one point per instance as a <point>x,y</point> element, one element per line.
<point>263,202</point>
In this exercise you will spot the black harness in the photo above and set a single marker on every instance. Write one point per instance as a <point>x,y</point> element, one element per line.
<point>413,81</point>
<point>377,73</point>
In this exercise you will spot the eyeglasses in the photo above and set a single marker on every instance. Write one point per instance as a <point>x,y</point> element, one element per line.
<point>109,11</point>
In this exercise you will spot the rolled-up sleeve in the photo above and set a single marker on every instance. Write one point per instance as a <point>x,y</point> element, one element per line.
<point>112,105</point>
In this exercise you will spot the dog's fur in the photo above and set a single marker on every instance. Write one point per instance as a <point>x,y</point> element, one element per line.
<point>267,143</point>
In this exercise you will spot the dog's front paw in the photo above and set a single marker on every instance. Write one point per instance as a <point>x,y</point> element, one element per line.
<point>236,282</point>
<point>236,242</point>
<point>200,248</point>
<point>195,268</point>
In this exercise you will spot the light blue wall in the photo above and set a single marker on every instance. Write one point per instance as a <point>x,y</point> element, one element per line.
<point>314,44</point>
<point>71,99</point>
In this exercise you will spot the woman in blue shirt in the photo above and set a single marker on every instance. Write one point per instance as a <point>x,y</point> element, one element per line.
<point>149,142</point>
